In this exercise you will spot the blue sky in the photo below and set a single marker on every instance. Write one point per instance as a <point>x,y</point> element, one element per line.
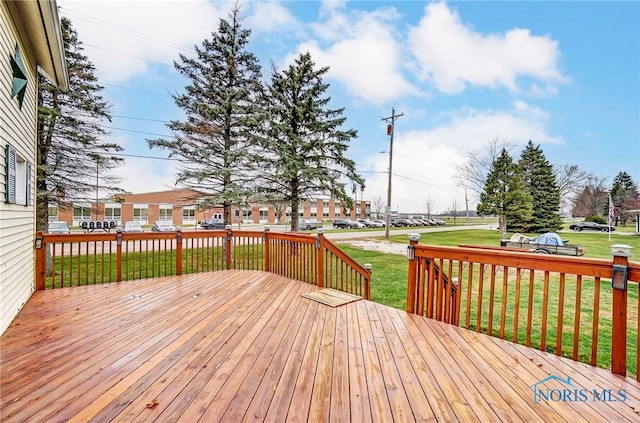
<point>565,75</point>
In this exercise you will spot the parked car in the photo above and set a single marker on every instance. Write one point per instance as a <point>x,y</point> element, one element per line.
<point>591,226</point>
<point>308,225</point>
<point>381,223</point>
<point>352,224</point>
<point>212,223</point>
<point>339,223</point>
<point>162,226</point>
<point>132,226</point>
<point>371,223</point>
<point>58,227</point>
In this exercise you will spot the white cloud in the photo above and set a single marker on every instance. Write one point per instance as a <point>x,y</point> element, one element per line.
<point>270,17</point>
<point>363,53</point>
<point>453,56</point>
<point>424,161</point>
<point>146,32</point>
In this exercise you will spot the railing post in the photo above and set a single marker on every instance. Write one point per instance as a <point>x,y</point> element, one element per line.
<point>619,275</point>
<point>265,250</point>
<point>179,251</point>
<point>228,244</point>
<point>367,287</point>
<point>119,256</point>
<point>413,273</point>
<point>320,258</point>
<point>41,261</point>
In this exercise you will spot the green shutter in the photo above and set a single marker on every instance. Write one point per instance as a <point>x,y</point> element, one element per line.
<point>10,174</point>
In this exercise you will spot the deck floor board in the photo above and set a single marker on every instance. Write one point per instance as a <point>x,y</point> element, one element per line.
<point>243,345</point>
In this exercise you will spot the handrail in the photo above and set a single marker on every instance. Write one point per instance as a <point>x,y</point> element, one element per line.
<point>532,299</point>
<point>81,259</point>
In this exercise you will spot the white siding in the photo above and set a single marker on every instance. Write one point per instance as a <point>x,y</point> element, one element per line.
<point>17,222</point>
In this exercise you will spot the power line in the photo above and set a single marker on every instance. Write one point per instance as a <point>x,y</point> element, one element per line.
<point>139,132</point>
<point>125,30</point>
<point>139,118</point>
<point>136,89</point>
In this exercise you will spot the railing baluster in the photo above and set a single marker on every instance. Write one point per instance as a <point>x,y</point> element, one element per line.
<point>516,305</point>
<point>596,319</point>
<point>469,290</point>
<point>480,284</point>
<point>503,313</point>
<point>492,292</point>
<point>560,315</point>
<point>545,307</point>
<point>530,307</point>
<point>576,325</point>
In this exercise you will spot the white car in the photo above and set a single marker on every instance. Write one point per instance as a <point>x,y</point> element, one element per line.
<point>58,227</point>
<point>132,226</point>
<point>163,226</point>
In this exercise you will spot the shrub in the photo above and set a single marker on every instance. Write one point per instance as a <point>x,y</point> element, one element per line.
<point>596,219</point>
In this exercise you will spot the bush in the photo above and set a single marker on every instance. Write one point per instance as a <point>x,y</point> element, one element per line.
<point>596,219</point>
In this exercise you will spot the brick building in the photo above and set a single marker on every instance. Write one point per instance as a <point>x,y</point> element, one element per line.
<point>181,206</point>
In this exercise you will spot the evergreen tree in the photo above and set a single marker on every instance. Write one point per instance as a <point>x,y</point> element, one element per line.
<point>504,194</point>
<point>540,181</point>
<point>70,147</point>
<point>222,106</point>
<point>305,144</point>
<point>625,197</point>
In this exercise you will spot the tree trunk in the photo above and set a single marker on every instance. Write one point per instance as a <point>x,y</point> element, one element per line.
<point>502,226</point>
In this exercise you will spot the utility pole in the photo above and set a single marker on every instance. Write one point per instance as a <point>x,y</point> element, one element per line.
<point>466,201</point>
<point>390,131</point>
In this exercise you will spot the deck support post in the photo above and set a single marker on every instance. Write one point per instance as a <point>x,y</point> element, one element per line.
<point>41,261</point>
<point>267,254</point>
<point>119,256</point>
<point>320,259</point>
<point>227,250</point>
<point>179,252</point>
<point>413,272</point>
<point>619,318</point>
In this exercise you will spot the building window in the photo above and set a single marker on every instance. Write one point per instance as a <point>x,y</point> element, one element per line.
<point>166,214</point>
<point>53,213</point>
<point>17,178</point>
<point>264,216</point>
<point>325,215</point>
<point>140,213</point>
<point>113,213</point>
<point>81,213</point>
<point>188,213</point>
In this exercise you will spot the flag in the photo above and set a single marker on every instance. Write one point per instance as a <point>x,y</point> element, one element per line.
<point>612,211</point>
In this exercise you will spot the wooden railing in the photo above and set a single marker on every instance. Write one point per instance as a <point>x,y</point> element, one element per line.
<point>564,305</point>
<point>84,259</point>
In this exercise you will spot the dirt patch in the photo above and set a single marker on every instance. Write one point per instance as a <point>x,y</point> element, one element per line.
<point>386,247</point>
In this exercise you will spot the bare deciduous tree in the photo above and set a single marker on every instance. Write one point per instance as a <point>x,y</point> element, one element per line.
<point>428,206</point>
<point>473,173</point>
<point>378,206</point>
<point>571,182</point>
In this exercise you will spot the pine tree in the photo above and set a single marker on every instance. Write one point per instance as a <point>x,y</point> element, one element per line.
<point>625,197</point>
<point>504,194</point>
<point>305,144</point>
<point>71,144</point>
<point>540,181</point>
<point>215,143</point>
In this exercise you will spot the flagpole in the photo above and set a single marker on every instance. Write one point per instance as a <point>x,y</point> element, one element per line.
<point>611,211</point>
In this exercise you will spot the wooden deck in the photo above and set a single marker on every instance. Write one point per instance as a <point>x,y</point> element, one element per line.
<point>245,346</point>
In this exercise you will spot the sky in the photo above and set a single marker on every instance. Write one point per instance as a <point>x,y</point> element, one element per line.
<point>565,75</point>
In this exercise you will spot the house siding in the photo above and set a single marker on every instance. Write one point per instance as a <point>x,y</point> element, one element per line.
<point>17,222</point>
